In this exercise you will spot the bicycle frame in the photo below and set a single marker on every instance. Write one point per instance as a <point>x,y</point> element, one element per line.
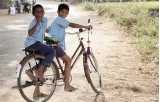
<point>81,50</point>
<point>74,58</point>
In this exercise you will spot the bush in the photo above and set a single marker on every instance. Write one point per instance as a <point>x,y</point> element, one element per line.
<point>89,6</point>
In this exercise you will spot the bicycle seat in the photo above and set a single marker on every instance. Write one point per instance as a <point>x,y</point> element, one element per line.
<point>33,51</point>
<point>30,51</point>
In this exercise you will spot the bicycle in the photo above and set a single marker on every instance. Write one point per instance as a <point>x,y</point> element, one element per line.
<point>56,72</point>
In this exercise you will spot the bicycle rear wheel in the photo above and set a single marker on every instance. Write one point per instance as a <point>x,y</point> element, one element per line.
<point>92,73</point>
<point>27,87</point>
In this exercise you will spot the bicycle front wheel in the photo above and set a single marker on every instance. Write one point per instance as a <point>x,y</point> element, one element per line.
<point>27,87</point>
<point>92,73</point>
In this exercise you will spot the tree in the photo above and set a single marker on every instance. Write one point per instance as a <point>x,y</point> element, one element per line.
<point>4,3</point>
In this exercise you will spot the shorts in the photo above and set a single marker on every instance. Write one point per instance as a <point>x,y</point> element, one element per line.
<point>59,51</point>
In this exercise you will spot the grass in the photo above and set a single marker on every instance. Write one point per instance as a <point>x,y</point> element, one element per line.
<point>135,18</point>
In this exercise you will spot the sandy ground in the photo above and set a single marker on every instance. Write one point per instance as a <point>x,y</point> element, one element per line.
<point>125,77</point>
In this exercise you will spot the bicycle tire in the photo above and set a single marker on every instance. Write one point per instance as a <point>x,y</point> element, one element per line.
<point>87,71</point>
<point>23,63</point>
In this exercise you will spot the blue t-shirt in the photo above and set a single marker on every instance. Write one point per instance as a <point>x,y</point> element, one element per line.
<point>57,30</point>
<point>38,35</point>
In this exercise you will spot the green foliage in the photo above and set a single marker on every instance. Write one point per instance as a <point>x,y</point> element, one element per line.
<point>136,18</point>
<point>89,6</point>
<point>50,40</point>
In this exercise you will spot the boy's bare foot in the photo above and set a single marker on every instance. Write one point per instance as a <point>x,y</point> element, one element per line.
<point>69,88</point>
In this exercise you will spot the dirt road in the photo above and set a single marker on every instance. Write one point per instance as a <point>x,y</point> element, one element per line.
<point>125,77</point>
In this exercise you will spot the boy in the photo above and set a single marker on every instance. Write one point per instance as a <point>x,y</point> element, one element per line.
<point>57,29</point>
<point>34,41</point>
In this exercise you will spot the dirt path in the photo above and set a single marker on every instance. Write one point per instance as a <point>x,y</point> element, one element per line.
<point>125,78</point>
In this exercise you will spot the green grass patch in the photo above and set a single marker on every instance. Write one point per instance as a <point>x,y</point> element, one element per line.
<point>89,6</point>
<point>136,19</point>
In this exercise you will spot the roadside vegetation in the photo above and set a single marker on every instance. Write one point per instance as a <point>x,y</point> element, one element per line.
<point>139,19</point>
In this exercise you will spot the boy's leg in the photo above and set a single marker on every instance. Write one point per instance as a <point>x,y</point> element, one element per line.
<point>39,73</point>
<point>38,70</point>
<point>48,52</point>
<point>67,72</point>
<point>37,92</point>
<point>30,74</point>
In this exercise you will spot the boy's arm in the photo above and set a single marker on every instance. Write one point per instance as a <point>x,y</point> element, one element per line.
<point>74,25</point>
<point>32,30</point>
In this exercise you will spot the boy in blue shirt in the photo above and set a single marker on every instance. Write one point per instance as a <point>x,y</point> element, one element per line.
<point>57,30</point>
<point>34,40</point>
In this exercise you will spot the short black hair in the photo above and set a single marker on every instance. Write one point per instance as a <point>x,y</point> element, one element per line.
<point>63,6</point>
<point>36,6</point>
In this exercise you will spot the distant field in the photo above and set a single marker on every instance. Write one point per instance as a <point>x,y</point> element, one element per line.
<point>136,18</point>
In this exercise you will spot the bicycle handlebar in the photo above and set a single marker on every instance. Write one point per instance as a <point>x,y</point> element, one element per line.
<point>78,32</point>
<point>83,30</point>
